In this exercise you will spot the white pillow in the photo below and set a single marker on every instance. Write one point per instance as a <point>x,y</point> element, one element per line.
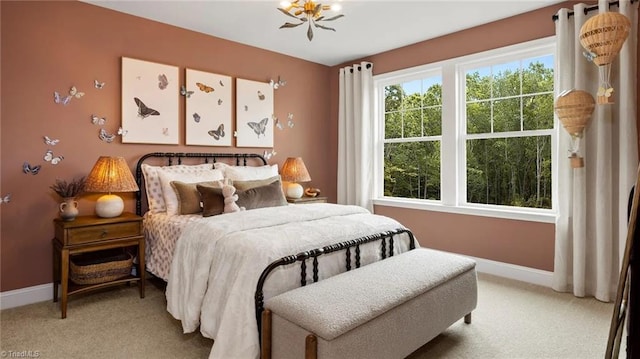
<point>169,194</point>
<point>247,173</point>
<point>153,187</point>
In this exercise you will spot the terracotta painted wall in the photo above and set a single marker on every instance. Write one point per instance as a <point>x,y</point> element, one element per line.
<point>523,243</point>
<point>50,46</point>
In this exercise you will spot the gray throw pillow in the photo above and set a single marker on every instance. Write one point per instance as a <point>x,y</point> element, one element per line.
<point>270,195</point>
<point>212,200</point>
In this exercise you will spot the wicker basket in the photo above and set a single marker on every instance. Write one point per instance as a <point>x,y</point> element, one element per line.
<point>100,267</point>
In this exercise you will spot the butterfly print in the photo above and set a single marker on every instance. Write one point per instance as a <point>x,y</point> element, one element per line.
<point>184,92</point>
<point>196,117</point>
<point>259,127</point>
<point>217,134</point>
<point>163,82</point>
<point>260,96</point>
<point>219,101</point>
<point>50,142</point>
<point>6,199</point>
<point>143,110</point>
<point>59,99</point>
<point>204,87</point>
<point>27,168</point>
<point>221,83</point>
<point>75,93</point>
<point>106,137</point>
<point>100,121</point>
<point>165,131</point>
<point>48,156</point>
<point>246,108</point>
<point>97,84</point>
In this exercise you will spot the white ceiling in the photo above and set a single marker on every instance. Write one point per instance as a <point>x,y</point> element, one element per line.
<point>368,27</point>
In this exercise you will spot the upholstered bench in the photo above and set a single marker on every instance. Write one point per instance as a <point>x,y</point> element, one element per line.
<point>386,309</point>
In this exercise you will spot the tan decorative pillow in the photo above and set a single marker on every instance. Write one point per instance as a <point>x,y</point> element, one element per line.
<point>245,185</point>
<point>212,199</point>
<point>270,195</point>
<point>188,196</point>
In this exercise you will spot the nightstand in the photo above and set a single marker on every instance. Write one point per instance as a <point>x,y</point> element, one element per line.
<point>305,200</point>
<point>90,234</point>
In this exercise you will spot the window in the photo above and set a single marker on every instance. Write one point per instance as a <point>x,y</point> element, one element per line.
<point>412,134</point>
<point>472,134</point>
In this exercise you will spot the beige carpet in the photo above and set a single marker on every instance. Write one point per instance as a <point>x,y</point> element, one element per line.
<point>513,320</point>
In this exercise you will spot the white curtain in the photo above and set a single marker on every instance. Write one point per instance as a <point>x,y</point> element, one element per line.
<point>592,226</point>
<point>355,135</point>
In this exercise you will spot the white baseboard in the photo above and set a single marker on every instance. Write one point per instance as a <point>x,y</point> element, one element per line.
<point>512,271</point>
<point>24,296</point>
<point>43,292</point>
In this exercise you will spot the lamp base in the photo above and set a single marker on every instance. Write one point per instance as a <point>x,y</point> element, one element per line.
<point>109,206</point>
<point>294,190</point>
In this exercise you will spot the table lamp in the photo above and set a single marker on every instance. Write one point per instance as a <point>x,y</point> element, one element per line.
<point>294,171</point>
<point>110,174</point>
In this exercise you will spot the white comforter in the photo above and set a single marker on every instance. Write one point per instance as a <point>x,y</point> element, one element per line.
<point>218,260</point>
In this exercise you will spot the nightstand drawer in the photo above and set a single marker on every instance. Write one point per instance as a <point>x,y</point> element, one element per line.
<point>102,232</point>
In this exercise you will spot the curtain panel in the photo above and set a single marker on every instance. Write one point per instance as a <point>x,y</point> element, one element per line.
<point>592,224</point>
<point>355,135</point>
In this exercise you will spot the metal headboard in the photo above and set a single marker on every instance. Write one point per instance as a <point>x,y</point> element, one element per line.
<point>175,158</point>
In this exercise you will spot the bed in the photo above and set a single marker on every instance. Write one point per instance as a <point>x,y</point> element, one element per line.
<point>212,263</point>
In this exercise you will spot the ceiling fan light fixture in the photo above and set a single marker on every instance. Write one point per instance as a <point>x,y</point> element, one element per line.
<point>308,11</point>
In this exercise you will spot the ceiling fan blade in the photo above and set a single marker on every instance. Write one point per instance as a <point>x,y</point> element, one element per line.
<point>286,13</point>
<point>334,17</point>
<point>288,25</point>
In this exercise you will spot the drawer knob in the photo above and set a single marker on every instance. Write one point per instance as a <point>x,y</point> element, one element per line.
<point>103,234</point>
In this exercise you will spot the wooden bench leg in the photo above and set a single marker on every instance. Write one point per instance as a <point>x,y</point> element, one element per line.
<point>311,349</point>
<point>266,335</point>
<point>467,318</point>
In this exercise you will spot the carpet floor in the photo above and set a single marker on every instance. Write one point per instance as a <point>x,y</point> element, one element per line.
<point>512,320</point>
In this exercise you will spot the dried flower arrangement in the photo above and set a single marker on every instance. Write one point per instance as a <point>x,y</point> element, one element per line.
<point>66,189</point>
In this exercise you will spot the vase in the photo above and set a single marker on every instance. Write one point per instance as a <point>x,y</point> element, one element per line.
<point>69,209</point>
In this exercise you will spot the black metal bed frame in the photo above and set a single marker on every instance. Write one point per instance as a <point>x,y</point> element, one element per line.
<point>315,253</point>
<point>240,159</point>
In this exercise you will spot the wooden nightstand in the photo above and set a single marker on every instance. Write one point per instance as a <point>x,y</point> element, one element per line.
<point>89,234</point>
<point>305,200</point>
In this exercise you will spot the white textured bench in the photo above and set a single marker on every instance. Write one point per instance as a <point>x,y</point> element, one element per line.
<point>386,309</point>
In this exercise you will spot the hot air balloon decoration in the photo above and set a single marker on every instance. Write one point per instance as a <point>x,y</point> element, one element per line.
<point>574,109</point>
<point>602,36</point>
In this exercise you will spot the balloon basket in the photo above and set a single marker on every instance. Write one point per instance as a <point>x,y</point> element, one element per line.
<point>576,161</point>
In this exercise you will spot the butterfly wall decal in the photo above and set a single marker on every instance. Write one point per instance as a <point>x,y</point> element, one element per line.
<point>196,117</point>
<point>122,132</point>
<point>268,155</point>
<point>276,122</point>
<point>259,127</point>
<point>261,96</point>
<point>75,93</point>
<point>163,82</point>
<point>277,84</point>
<point>143,110</point>
<point>97,84</point>
<point>49,157</point>
<point>605,92</point>
<point>6,198</point>
<point>100,121</point>
<point>57,98</point>
<point>184,92</point>
<point>290,120</point>
<point>50,141</point>
<point>204,87</point>
<point>106,137</point>
<point>27,168</point>
<point>589,55</point>
<point>217,134</point>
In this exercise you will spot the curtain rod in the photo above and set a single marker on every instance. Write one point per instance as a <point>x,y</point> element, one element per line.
<point>590,8</point>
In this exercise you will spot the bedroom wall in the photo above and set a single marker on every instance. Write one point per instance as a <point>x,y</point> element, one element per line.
<point>524,243</point>
<point>50,46</point>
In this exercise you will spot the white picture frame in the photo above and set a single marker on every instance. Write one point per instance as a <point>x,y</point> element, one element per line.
<point>254,114</point>
<point>150,102</point>
<point>208,117</point>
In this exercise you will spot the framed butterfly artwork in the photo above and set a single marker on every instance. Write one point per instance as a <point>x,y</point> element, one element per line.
<point>254,113</point>
<point>208,109</point>
<point>150,102</point>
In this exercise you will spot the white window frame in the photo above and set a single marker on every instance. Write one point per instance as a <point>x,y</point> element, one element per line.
<point>453,139</point>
